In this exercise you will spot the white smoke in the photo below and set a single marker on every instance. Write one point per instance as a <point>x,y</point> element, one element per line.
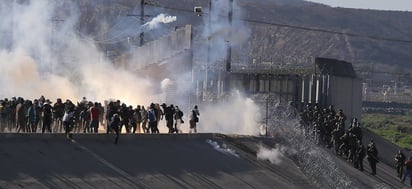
<point>166,83</point>
<point>222,148</point>
<point>274,155</point>
<point>237,115</point>
<point>43,55</point>
<point>159,19</point>
<point>219,33</point>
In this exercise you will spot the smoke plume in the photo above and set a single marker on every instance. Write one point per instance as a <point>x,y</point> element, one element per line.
<point>42,52</point>
<point>237,115</point>
<point>274,155</point>
<point>44,55</point>
<point>222,148</point>
<point>159,19</point>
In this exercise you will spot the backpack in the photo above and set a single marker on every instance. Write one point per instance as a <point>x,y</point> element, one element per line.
<point>47,111</point>
<point>152,116</point>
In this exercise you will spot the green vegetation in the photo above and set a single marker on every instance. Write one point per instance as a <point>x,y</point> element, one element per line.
<point>395,128</point>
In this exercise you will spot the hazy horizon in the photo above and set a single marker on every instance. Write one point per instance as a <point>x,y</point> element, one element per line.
<point>396,5</point>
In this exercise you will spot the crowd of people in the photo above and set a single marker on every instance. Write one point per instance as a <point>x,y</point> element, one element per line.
<point>327,128</point>
<point>41,115</point>
<point>323,125</point>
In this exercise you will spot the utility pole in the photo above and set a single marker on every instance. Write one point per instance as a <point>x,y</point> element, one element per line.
<point>267,116</point>
<point>226,84</point>
<point>142,16</point>
<point>141,36</point>
<point>229,45</point>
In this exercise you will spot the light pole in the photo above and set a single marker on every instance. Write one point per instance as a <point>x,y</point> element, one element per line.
<point>228,59</point>
<point>206,82</point>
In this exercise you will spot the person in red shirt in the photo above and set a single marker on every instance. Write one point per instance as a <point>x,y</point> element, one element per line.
<point>408,171</point>
<point>94,117</point>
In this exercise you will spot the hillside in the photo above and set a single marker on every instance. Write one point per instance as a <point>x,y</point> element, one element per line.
<point>284,28</point>
<point>356,49</point>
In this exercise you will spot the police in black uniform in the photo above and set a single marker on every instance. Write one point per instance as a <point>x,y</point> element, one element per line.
<point>399,163</point>
<point>372,153</point>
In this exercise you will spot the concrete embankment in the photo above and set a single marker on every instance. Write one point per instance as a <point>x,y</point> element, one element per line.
<point>169,161</point>
<point>138,161</point>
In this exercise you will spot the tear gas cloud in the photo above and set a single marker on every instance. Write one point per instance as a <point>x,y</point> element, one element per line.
<point>32,66</point>
<point>43,54</point>
<point>219,33</point>
<point>222,148</point>
<point>239,115</point>
<point>274,155</point>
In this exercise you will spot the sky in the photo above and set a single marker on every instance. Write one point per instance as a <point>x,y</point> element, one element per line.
<point>400,5</point>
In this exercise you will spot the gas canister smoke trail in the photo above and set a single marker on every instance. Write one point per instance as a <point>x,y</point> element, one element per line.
<point>159,19</point>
